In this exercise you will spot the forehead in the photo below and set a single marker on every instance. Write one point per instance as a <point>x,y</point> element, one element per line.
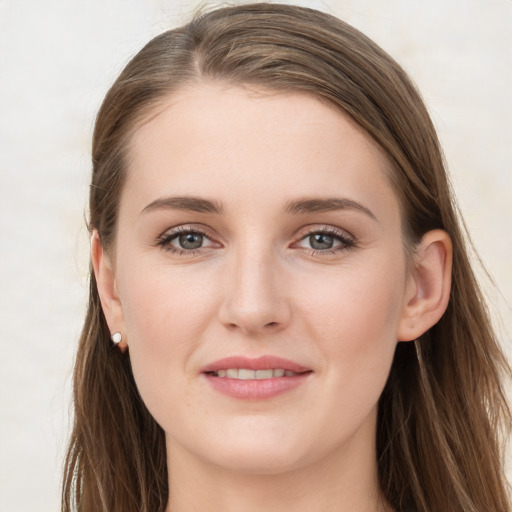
<point>234,143</point>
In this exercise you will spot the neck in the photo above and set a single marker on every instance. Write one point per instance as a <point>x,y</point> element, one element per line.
<point>345,482</point>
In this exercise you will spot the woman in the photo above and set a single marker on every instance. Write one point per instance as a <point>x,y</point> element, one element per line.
<point>277,259</point>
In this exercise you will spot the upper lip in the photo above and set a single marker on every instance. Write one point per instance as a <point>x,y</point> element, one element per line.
<point>265,362</point>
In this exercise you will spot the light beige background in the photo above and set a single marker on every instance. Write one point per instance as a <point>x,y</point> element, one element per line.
<point>57,59</point>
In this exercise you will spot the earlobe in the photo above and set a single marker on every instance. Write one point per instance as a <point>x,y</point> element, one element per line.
<point>107,290</point>
<point>428,290</point>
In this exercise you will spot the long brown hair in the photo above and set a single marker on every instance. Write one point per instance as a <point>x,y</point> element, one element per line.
<point>442,413</point>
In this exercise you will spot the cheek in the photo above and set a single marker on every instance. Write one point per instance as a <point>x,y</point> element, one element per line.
<point>161,305</point>
<point>165,315</point>
<point>354,319</point>
<point>357,299</point>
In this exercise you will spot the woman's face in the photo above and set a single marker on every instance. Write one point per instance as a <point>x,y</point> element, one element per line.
<point>259,236</point>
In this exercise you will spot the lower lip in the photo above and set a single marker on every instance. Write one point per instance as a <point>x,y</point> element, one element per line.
<point>256,389</point>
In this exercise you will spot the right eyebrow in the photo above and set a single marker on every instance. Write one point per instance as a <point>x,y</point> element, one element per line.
<point>185,203</point>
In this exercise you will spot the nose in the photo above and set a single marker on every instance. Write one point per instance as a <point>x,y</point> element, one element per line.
<point>254,299</point>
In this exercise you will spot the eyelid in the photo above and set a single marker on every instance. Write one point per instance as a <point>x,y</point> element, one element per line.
<point>324,228</point>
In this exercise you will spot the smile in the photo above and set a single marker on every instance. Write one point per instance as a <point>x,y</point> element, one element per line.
<point>260,378</point>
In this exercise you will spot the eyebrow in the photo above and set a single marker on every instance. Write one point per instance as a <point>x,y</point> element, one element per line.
<point>305,206</point>
<point>185,203</point>
<point>298,207</point>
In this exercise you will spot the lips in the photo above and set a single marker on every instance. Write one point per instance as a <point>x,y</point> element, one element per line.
<point>255,379</point>
<point>260,363</point>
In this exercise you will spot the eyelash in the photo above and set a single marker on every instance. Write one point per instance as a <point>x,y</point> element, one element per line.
<point>164,240</point>
<point>347,241</point>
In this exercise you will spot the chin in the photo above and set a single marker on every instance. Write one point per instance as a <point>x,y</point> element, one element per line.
<point>259,462</point>
<point>257,454</point>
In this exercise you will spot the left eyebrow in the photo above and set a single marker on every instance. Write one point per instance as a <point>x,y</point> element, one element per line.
<point>305,206</point>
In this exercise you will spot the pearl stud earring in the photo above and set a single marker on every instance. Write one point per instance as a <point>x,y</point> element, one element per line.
<point>116,338</point>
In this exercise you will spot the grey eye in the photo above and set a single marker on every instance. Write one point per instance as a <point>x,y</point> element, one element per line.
<point>319,241</point>
<point>190,241</point>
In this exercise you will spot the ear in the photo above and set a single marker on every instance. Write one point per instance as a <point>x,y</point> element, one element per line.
<point>107,289</point>
<point>428,287</point>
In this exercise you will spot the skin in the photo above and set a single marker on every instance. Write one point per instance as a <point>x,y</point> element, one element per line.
<point>256,286</point>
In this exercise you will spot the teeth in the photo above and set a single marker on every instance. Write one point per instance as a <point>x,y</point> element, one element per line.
<point>246,374</point>
<point>264,374</point>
